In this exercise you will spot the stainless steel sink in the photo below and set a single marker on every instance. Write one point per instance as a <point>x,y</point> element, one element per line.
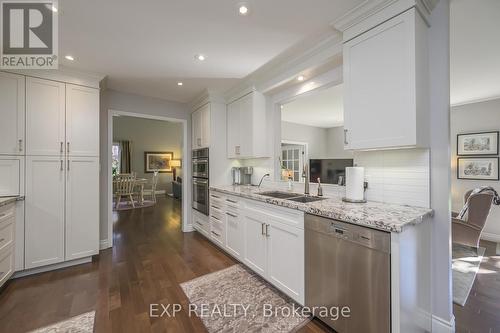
<point>279,194</point>
<point>305,199</point>
<point>290,196</point>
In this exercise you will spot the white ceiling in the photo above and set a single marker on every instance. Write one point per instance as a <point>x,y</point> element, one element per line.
<point>324,108</point>
<point>475,50</point>
<point>146,47</point>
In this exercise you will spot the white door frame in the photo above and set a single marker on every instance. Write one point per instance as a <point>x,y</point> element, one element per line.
<point>185,164</point>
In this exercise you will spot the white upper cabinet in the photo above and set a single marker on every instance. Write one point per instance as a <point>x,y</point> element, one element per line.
<point>45,117</point>
<point>82,121</point>
<point>12,94</point>
<point>247,127</point>
<point>385,70</point>
<point>82,207</point>
<point>201,127</point>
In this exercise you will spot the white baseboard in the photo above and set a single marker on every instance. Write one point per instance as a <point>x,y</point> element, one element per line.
<point>439,325</point>
<point>490,237</point>
<point>103,244</point>
<point>188,228</point>
<point>51,267</point>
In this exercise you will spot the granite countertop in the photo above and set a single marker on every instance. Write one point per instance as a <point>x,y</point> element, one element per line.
<point>7,200</point>
<point>378,215</point>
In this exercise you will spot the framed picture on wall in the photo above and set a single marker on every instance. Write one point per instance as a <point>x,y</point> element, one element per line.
<point>485,143</point>
<point>157,161</point>
<point>477,168</point>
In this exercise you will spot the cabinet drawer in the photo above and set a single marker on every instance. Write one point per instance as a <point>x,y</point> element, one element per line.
<point>233,202</point>
<point>216,208</point>
<point>201,223</point>
<point>217,215</point>
<point>7,212</point>
<point>7,233</point>
<point>217,231</point>
<point>291,217</point>
<point>6,265</point>
<point>217,199</point>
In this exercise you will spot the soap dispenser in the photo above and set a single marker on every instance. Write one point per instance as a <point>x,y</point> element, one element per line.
<point>320,189</point>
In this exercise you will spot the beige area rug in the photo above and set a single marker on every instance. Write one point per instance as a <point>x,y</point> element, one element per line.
<point>83,323</point>
<point>218,299</point>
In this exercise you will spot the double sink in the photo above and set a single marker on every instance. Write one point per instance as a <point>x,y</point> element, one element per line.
<point>290,196</point>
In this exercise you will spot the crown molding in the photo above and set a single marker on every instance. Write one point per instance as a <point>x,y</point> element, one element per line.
<point>207,96</point>
<point>373,8</point>
<point>64,74</point>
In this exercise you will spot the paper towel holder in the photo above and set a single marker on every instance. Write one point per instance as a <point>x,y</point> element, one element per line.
<point>365,185</point>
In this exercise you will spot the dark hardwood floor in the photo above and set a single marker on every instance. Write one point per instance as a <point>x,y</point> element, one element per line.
<point>481,313</point>
<point>150,258</point>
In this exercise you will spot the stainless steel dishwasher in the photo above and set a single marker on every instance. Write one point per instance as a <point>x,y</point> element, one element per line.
<point>348,265</point>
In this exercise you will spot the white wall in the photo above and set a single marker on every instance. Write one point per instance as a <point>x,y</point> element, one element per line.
<point>335,143</point>
<point>470,118</point>
<point>114,100</point>
<point>149,135</point>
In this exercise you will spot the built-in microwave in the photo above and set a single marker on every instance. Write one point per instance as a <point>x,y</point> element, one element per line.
<point>200,180</point>
<point>200,163</point>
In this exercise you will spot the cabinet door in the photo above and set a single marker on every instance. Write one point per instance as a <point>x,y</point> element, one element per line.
<point>245,128</point>
<point>44,211</point>
<point>379,80</point>
<point>82,207</point>
<point>196,129</point>
<point>205,126</point>
<point>255,241</point>
<point>45,117</point>
<point>12,106</point>
<point>234,235</point>
<point>82,121</point>
<point>285,253</point>
<point>11,175</point>
<point>233,130</point>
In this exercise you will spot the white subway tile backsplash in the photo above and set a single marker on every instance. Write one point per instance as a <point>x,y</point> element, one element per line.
<point>397,176</point>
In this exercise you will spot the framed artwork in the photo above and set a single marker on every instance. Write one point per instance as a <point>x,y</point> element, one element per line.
<point>157,161</point>
<point>477,168</point>
<point>485,143</point>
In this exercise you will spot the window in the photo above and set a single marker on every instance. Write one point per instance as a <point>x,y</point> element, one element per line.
<point>115,158</point>
<point>292,161</point>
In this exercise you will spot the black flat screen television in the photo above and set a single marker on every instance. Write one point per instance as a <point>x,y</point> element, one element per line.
<point>328,170</point>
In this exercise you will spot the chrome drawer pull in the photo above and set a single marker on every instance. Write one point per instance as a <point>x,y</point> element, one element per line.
<point>1,240</point>
<point>232,215</point>
<point>216,234</point>
<point>262,229</point>
<point>267,231</point>
<point>216,218</point>
<point>231,201</point>
<point>215,207</point>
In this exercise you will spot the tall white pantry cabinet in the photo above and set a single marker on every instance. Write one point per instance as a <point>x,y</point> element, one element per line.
<point>53,126</point>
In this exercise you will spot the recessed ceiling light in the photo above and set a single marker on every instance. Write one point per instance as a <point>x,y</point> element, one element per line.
<point>179,83</point>
<point>51,7</point>
<point>68,57</point>
<point>200,57</point>
<point>300,78</point>
<point>243,10</point>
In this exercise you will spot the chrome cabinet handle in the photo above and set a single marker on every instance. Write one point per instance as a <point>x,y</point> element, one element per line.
<point>68,164</point>
<point>267,231</point>
<point>345,137</point>
<point>232,201</point>
<point>20,144</point>
<point>2,215</point>
<point>1,240</point>
<point>232,215</point>
<point>215,207</point>
<point>263,233</point>
<point>61,150</point>
<point>67,149</point>
<point>237,150</point>
<point>216,234</point>
<point>62,165</point>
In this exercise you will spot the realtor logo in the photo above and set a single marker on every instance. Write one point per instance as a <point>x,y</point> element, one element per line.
<point>29,34</point>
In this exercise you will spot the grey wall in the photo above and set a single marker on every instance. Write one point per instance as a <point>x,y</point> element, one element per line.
<point>149,135</point>
<point>475,117</point>
<point>114,100</point>
<point>322,142</point>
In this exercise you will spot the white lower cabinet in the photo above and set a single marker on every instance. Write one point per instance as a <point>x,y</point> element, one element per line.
<point>234,234</point>
<point>267,239</point>
<point>285,254</point>
<point>254,254</point>
<point>44,211</point>
<point>11,175</point>
<point>82,192</point>
<point>61,209</point>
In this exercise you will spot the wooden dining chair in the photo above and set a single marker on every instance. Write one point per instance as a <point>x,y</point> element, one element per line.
<point>151,191</point>
<point>124,187</point>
